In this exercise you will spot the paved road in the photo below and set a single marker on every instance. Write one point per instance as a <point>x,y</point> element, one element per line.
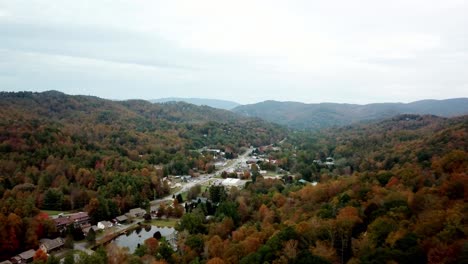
<point>232,164</point>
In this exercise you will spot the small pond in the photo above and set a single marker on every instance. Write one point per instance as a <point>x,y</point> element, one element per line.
<point>139,235</point>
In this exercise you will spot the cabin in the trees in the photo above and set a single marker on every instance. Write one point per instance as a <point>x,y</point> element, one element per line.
<point>25,257</point>
<point>48,245</point>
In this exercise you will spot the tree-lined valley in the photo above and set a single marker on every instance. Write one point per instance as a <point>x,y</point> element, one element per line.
<point>235,189</point>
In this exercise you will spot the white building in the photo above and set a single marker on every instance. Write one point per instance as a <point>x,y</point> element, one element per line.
<point>104,224</point>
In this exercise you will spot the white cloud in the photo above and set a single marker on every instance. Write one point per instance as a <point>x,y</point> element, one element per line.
<point>357,51</point>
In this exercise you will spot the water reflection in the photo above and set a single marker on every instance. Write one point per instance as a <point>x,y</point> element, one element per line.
<point>139,235</point>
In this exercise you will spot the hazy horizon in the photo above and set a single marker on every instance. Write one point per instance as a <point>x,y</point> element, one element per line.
<point>237,102</point>
<point>243,51</point>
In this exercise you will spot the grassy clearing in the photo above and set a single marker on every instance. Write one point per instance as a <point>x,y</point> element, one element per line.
<point>165,222</point>
<point>184,196</point>
<point>176,190</point>
<point>204,188</point>
<point>273,174</point>
<point>52,212</point>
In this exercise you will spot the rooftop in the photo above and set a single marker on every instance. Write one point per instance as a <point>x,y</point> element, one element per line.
<point>51,244</point>
<point>27,254</point>
<point>78,216</point>
<point>121,218</point>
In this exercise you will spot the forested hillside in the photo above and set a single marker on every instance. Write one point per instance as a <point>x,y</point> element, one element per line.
<point>62,152</point>
<point>396,194</point>
<point>325,115</point>
<point>391,191</point>
<point>221,104</point>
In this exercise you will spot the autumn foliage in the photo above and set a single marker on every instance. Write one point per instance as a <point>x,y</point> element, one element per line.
<point>395,193</point>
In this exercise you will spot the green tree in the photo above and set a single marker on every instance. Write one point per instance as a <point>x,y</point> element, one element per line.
<point>52,260</point>
<point>380,228</point>
<point>217,193</point>
<point>91,237</point>
<point>140,250</point>
<point>228,209</point>
<point>165,250</point>
<point>53,199</point>
<point>69,258</point>
<point>192,222</point>
<point>69,242</point>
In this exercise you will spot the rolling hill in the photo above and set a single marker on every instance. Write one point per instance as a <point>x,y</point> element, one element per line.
<point>62,152</point>
<point>215,103</point>
<point>316,116</point>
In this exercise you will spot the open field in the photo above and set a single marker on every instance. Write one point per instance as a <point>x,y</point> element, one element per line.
<point>164,222</point>
<point>53,212</point>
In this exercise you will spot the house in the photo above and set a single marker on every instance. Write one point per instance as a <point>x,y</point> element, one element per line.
<point>62,222</point>
<point>24,257</point>
<point>80,218</point>
<point>16,259</point>
<point>28,256</point>
<point>230,182</point>
<point>88,228</point>
<point>104,224</point>
<point>121,219</point>
<point>136,212</point>
<point>48,245</point>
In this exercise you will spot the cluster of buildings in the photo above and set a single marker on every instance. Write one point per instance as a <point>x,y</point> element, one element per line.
<point>45,244</point>
<point>80,220</point>
<point>83,221</point>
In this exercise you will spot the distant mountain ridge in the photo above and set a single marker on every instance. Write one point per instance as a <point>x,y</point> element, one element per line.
<point>323,115</point>
<point>215,103</point>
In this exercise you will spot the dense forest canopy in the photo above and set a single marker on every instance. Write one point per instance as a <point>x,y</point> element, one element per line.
<point>395,193</point>
<point>389,191</point>
<point>62,152</point>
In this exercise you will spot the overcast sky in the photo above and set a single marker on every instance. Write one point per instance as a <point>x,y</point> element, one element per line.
<point>247,51</point>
